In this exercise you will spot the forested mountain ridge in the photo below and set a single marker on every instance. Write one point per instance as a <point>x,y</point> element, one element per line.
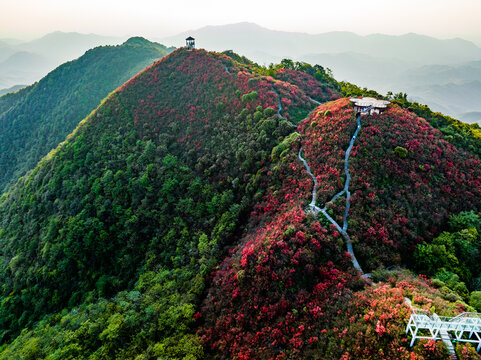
<point>37,118</point>
<point>172,223</point>
<point>144,196</point>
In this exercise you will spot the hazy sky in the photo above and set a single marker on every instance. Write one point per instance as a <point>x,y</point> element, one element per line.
<point>442,18</point>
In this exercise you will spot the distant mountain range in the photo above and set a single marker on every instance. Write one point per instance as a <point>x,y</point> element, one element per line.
<point>25,63</point>
<point>11,89</point>
<point>451,97</point>
<point>420,65</point>
<point>451,89</point>
<point>266,45</point>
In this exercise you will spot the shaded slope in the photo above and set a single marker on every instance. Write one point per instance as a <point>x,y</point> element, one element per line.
<point>36,119</point>
<point>413,195</point>
<point>144,196</point>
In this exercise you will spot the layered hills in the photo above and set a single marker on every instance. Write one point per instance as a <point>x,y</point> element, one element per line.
<point>37,118</point>
<point>266,45</point>
<point>173,223</point>
<point>28,62</point>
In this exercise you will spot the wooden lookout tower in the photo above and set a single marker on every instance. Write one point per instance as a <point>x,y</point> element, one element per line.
<point>190,43</point>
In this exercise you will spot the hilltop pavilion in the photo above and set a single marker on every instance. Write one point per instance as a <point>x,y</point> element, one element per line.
<point>190,43</point>
<point>369,105</point>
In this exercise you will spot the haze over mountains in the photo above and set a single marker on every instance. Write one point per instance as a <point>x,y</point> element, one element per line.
<point>255,194</point>
<point>22,63</point>
<point>255,41</point>
<point>424,67</point>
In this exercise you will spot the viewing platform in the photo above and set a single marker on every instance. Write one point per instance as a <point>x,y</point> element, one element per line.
<point>369,105</point>
<point>465,327</point>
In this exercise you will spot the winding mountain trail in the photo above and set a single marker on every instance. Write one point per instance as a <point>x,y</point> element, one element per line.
<point>313,207</point>
<point>348,174</point>
<point>279,105</point>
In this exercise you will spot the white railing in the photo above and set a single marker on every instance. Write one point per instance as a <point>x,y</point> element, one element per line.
<point>465,327</point>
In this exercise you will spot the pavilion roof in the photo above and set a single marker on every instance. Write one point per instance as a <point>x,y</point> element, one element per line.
<point>369,101</point>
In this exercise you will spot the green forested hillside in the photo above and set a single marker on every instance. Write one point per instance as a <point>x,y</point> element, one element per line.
<point>174,223</point>
<point>145,197</point>
<point>36,119</point>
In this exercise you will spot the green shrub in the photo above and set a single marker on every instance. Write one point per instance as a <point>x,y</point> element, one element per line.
<point>464,220</point>
<point>279,151</point>
<point>437,283</point>
<point>381,274</point>
<point>466,351</point>
<point>475,300</point>
<point>220,106</point>
<point>250,96</point>
<point>269,111</point>
<point>258,115</point>
<point>401,152</point>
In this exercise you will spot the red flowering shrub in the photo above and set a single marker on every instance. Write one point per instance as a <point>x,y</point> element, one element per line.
<point>325,139</point>
<point>276,290</point>
<point>466,352</point>
<point>281,284</point>
<point>185,187</point>
<point>396,201</point>
<point>372,325</point>
<point>312,87</point>
<point>160,179</point>
<point>274,295</point>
